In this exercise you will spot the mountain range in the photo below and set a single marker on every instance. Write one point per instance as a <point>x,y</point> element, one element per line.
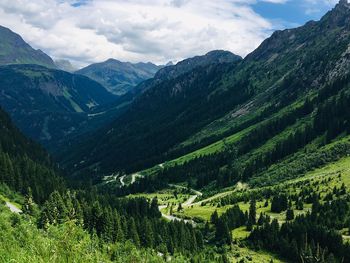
<point>217,158</point>
<point>119,77</point>
<point>47,104</point>
<point>65,65</point>
<point>163,104</point>
<point>201,105</point>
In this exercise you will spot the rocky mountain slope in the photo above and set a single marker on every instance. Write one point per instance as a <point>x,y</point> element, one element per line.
<point>119,77</point>
<point>14,50</point>
<point>49,105</point>
<point>165,104</point>
<point>222,98</point>
<point>65,65</point>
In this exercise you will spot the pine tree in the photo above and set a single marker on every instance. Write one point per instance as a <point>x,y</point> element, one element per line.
<point>214,217</point>
<point>290,215</point>
<point>28,205</point>
<point>207,228</point>
<point>223,234</point>
<point>154,210</point>
<point>252,211</point>
<point>299,204</point>
<point>199,239</point>
<point>261,219</point>
<point>133,235</point>
<point>146,233</point>
<point>266,204</point>
<point>249,225</point>
<point>118,229</point>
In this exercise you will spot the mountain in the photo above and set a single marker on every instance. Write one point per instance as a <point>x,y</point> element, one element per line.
<point>65,65</point>
<point>119,77</point>
<point>215,56</point>
<point>208,103</point>
<point>25,164</point>
<point>272,170</point>
<point>295,119</point>
<point>243,160</point>
<point>173,71</point>
<point>49,105</point>
<point>14,50</point>
<point>34,199</point>
<point>164,107</point>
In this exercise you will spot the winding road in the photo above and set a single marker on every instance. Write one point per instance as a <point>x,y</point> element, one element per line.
<point>13,208</point>
<point>121,179</point>
<point>187,203</point>
<point>133,178</point>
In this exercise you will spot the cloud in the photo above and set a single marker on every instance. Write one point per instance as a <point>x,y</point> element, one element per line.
<point>87,31</point>
<point>317,6</point>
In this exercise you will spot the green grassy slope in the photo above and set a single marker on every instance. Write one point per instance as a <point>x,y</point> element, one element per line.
<point>14,50</point>
<point>191,115</point>
<point>54,104</point>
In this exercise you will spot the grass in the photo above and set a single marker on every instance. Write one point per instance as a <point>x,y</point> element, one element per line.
<point>212,148</point>
<point>69,98</point>
<point>341,167</point>
<point>164,197</point>
<point>202,212</point>
<point>326,178</point>
<point>223,124</point>
<point>243,254</point>
<point>222,144</point>
<point>22,241</point>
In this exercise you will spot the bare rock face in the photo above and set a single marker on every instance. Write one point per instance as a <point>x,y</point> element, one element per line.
<point>344,3</point>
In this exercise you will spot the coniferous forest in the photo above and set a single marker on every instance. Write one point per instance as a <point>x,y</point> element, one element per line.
<point>216,158</point>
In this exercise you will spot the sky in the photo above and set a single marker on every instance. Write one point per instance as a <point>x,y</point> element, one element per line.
<point>159,31</point>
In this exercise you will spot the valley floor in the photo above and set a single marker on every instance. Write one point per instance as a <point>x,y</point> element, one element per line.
<point>187,206</point>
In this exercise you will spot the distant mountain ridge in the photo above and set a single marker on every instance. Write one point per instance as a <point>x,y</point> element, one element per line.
<point>164,121</point>
<point>14,50</point>
<point>215,56</point>
<point>160,106</point>
<point>119,77</point>
<point>49,105</point>
<point>172,71</point>
<point>65,65</point>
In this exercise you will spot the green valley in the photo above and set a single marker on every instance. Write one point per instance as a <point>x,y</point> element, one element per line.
<point>217,158</point>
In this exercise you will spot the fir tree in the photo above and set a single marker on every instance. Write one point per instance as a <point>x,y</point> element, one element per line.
<point>290,215</point>
<point>252,211</point>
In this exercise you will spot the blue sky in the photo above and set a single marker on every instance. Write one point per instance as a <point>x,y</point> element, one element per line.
<point>293,12</point>
<point>89,31</point>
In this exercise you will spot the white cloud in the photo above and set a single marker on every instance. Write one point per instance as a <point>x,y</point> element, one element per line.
<point>135,30</point>
<point>316,6</point>
<point>325,2</point>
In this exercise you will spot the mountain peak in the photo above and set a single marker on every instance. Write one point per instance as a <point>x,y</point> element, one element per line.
<point>112,60</point>
<point>14,50</point>
<point>119,77</point>
<point>344,3</point>
<point>339,16</point>
<point>212,57</point>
